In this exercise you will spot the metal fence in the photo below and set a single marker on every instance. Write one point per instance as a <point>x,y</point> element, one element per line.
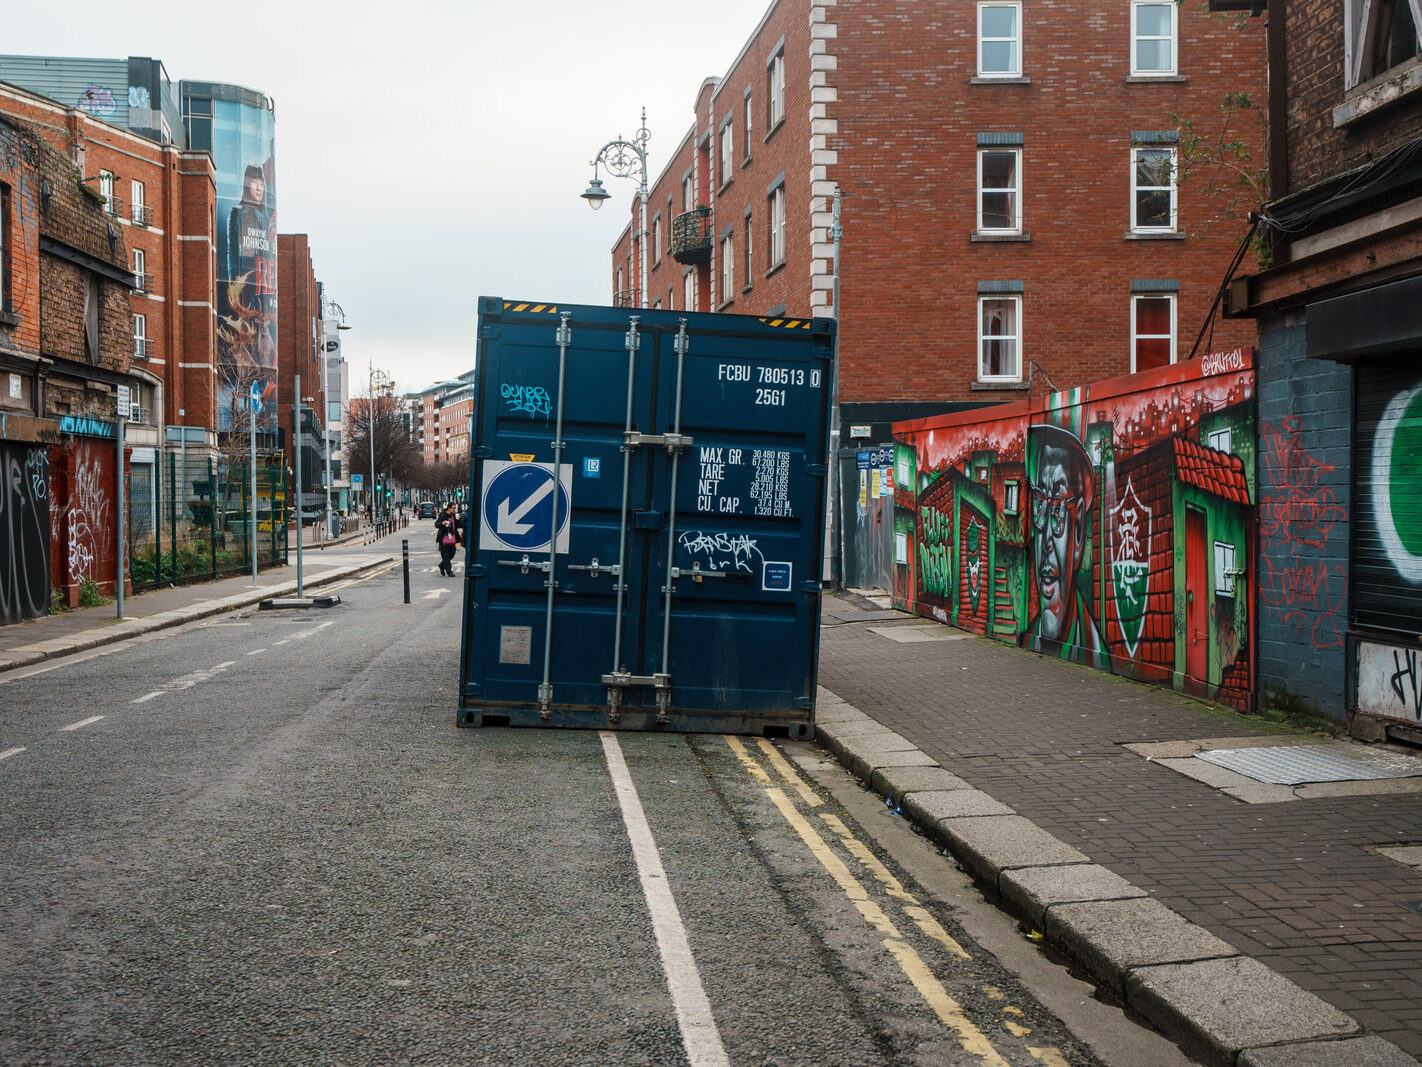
<point>190,518</point>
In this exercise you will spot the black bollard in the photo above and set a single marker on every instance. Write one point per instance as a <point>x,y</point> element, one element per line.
<point>405,551</point>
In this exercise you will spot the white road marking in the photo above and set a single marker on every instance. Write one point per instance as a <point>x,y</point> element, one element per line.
<point>147,697</point>
<point>10,752</point>
<point>81,722</point>
<point>435,594</point>
<point>256,652</point>
<point>304,634</point>
<point>693,1009</point>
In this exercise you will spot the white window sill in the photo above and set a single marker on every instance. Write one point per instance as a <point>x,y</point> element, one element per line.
<point>996,237</point>
<point>998,385</point>
<point>1154,235</point>
<point>1149,79</point>
<point>1362,100</point>
<point>999,79</point>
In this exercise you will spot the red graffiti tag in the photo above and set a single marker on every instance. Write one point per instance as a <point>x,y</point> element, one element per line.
<point>1297,512</point>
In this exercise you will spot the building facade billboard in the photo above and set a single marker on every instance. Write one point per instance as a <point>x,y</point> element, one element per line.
<point>243,154</point>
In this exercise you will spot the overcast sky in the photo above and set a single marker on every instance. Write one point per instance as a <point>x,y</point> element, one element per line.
<point>433,150</point>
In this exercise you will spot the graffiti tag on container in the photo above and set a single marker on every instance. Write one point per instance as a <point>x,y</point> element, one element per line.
<point>1235,359</point>
<point>527,400</point>
<point>723,551</point>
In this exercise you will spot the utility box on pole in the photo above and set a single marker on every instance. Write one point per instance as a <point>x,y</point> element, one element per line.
<point>647,519</point>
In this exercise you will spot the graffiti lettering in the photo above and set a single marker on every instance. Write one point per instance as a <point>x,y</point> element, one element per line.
<point>723,551</point>
<point>1404,679</point>
<point>24,533</point>
<point>1297,514</point>
<point>934,544</point>
<point>1223,362</point>
<point>527,400</point>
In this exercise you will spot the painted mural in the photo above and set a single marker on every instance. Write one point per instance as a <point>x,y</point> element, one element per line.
<point>24,532</point>
<point>1108,525</point>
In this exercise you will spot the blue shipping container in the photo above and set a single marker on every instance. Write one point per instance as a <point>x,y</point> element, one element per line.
<point>666,470</point>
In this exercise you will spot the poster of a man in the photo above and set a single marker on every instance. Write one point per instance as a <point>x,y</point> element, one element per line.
<point>1063,487</point>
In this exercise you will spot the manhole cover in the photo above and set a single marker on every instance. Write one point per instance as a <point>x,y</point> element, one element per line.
<point>1300,764</point>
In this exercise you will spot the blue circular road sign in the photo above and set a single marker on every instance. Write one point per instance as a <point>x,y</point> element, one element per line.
<point>518,506</point>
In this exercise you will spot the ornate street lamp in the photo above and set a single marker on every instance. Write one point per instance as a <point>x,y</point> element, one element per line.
<point>626,159</point>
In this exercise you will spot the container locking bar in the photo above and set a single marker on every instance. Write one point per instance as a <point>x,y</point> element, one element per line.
<point>617,681</point>
<point>696,573</point>
<point>672,442</point>
<point>526,564</point>
<point>595,568</point>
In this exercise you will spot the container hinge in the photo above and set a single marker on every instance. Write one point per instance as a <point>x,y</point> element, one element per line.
<point>476,570</point>
<point>595,568</point>
<point>816,470</point>
<point>805,703</point>
<point>525,564</point>
<point>545,701</point>
<point>488,333</point>
<point>811,588</point>
<point>482,451</point>
<point>672,442</point>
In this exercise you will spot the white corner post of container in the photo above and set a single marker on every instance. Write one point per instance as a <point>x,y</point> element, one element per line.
<point>626,159</point>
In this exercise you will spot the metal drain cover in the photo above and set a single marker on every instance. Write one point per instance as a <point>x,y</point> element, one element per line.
<point>1301,764</point>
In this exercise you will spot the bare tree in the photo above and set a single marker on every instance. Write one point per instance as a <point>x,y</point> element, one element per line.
<point>377,443</point>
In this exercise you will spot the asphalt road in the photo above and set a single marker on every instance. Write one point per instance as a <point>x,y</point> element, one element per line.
<point>263,840</point>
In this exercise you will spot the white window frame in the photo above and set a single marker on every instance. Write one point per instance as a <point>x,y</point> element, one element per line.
<point>137,201</point>
<point>688,192</point>
<point>1221,440</point>
<point>727,153</point>
<point>777,226</point>
<point>750,249</point>
<point>1015,190</point>
<point>1361,23</point>
<point>106,189</point>
<point>775,86</point>
<point>657,238</point>
<point>1137,71</point>
<point>1137,188</point>
<point>750,124</point>
<point>1137,337</point>
<point>984,338</point>
<point>688,290</point>
<point>1016,40</point>
<point>139,260</point>
<point>140,336</point>
<point>728,267</point>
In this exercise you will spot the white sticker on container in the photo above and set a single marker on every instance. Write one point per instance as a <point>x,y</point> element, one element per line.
<point>516,645</point>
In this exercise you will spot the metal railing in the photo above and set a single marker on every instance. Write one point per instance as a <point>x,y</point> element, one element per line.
<point>691,236</point>
<point>142,215</point>
<point>142,348</point>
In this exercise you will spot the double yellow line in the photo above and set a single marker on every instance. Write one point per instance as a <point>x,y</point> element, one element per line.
<point>942,1004</point>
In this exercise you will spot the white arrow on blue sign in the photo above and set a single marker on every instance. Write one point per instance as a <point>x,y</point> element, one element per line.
<point>256,396</point>
<point>516,506</point>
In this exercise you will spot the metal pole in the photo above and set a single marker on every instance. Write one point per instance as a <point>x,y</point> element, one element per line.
<point>545,691</point>
<point>405,552</point>
<point>370,433</point>
<point>834,534</point>
<point>325,417</point>
<point>122,516</point>
<point>296,455</point>
<point>252,430</point>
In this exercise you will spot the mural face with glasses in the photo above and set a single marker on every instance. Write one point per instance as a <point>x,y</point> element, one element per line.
<point>1062,488</point>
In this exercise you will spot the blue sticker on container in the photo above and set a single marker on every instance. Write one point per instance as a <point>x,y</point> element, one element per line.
<point>775,578</point>
<point>592,467</point>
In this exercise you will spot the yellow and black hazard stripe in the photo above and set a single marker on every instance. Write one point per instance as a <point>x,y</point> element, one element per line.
<point>525,305</point>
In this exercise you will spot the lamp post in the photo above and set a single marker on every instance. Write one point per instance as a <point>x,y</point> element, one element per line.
<point>626,159</point>
<point>383,380</point>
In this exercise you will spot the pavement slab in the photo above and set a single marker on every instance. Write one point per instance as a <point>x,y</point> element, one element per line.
<point>1367,1051</point>
<point>928,807</point>
<point>989,844</point>
<point>896,782</point>
<point>1218,1008</point>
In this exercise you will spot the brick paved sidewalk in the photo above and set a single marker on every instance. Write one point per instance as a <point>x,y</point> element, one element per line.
<point>26,643</point>
<point>1297,885</point>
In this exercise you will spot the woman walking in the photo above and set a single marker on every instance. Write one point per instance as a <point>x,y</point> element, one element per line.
<point>447,539</point>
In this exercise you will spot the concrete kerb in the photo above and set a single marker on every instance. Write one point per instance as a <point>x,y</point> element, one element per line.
<point>122,630</point>
<point>1196,988</point>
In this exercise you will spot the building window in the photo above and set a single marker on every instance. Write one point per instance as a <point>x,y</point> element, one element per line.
<point>139,275</point>
<point>140,337</point>
<point>106,190</point>
<point>688,192</point>
<point>777,225</point>
<point>688,291</point>
<point>140,209</point>
<point>775,89</point>
<point>749,125</point>
<point>1000,190</point>
<point>1378,35</point>
<point>1152,37</point>
<point>727,153</point>
<point>728,264</point>
<point>1000,40</point>
<point>1153,190</point>
<point>1011,497</point>
<point>750,250</point>
<point>1219,440</point>
<point>1152,331</point>
<point>999,338</point>
<point>657,238</point>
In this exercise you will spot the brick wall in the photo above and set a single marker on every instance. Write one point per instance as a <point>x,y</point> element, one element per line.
<point>1317,150</point>
<point>1304,461</point>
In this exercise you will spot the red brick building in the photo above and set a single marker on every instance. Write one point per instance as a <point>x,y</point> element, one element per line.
<point>299,351</point>
<point>1011,199</point>
<point>65,360</point>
